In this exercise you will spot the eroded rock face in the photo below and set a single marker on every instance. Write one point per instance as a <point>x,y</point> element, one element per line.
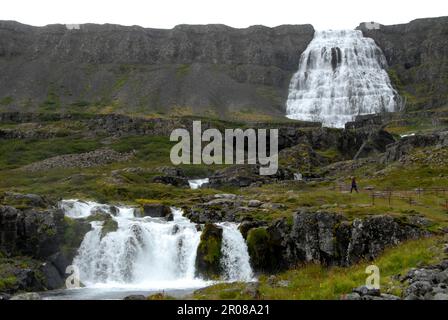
<point>47,239</point>
<point>404,146</point>
<point>325,238</point>
<point>30,232</point>
<point>200,66</point>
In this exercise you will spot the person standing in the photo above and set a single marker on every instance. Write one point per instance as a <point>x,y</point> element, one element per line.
<point>354,185</point>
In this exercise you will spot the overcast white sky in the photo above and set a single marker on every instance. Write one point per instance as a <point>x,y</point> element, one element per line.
<point>323,14</point>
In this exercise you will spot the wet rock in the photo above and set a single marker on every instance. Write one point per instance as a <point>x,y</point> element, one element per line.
<point>156,210</point>
<point>53,279</point>
<point>208,257</point>
<point>27,296</point>
<point>109,225</point>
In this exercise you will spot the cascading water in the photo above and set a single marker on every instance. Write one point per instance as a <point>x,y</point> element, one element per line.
<point>197,183</point>
<point>151,253</point>
<point>235,257</point>
<point>341,75</point>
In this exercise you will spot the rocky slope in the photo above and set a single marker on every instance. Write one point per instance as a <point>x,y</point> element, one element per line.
<point>212,66</point>
<point>417,53</point>
<point>36,243</point>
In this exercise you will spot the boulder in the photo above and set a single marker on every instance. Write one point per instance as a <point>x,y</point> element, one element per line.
<point>254,203</point>
<point>261,250</point>
<point>157,210</point>
<point>208,257</point>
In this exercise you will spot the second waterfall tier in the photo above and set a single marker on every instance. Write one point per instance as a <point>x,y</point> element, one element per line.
<point>341,75</point>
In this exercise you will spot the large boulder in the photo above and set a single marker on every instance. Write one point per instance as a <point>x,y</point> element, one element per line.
<point>157,210</point>
<point>31,232</point>
<point>208,258</point>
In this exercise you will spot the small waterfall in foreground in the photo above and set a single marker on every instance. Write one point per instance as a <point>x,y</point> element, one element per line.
<point>235,257</point>
<point>341,75</point>
<point>149,252</point>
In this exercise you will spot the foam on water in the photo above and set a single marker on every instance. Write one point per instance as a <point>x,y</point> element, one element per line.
<point>341,75</point>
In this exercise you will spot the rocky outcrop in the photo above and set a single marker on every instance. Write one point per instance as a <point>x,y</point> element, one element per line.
<point>43,235</point>
<point>30,232</point>
<point>245,176</point>
<point>405,145</point>
<point>157,210</point>
<point>208,257</point>
<point>417,55</point>
<point>428,283</point>
<point>367,293</point>
<point>81,160</point>
<point>215,66</point>
<point>326,238</point>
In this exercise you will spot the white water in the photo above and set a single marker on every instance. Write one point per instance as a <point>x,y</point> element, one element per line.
<point>150,253</point>
<point>341,75</point>
<point>235,257</point>
<point>197,183</point>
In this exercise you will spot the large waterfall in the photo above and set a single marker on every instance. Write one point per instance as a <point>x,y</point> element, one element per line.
<point>148,252</point>
<point>341,75</point>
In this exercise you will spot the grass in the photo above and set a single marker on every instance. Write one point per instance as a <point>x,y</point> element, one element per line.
<point>315,282</point>
<point>20,152</point>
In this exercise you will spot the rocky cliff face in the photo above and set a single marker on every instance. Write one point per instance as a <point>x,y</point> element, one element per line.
<point>417,53</point>
<point>326,238</point>
<point>36,243</point>
<point>137,69</point>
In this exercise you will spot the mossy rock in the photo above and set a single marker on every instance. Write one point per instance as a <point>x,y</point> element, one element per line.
<point>208,258</point>
<point>109,225</point>
<point>261,250</point>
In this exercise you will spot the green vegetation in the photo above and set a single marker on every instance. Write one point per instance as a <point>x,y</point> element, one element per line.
<point>20,152</point>
<point>6,101</point>
<point>182,70</point>
<point>8,282</point>
<point>109,225</point>
<point>310,282</point>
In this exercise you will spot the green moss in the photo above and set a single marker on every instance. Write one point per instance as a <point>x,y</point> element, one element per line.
<point>7,283</point>
<point>316,282</point>
<point>208,260</point>
<point>74,231</point>
<point>109,225</point>
<point>182,70</point>
<point>6,101</point>
<point>261,250</point>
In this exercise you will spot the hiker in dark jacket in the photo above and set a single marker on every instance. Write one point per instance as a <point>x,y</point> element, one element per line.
<point>354,185</point>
